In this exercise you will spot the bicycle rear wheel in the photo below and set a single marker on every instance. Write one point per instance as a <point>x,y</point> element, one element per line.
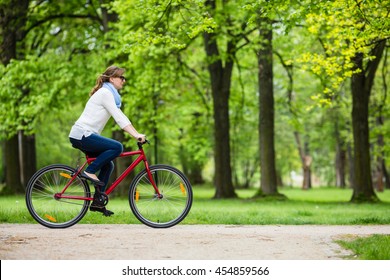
<point>169,209</point>
<point>54,212</point>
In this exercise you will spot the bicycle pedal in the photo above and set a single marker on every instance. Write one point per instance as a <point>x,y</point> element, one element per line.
<point>98,203</point>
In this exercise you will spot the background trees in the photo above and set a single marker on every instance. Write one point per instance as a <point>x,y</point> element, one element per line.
<point>196,88</point>
<point>41,42</point>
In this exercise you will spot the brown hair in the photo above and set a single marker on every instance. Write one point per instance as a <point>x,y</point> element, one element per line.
<point>111,71</point>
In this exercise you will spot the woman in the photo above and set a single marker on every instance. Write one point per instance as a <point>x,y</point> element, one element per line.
<point>103,103</point>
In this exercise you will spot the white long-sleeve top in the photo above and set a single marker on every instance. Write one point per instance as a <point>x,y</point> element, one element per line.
<point>98,110</point>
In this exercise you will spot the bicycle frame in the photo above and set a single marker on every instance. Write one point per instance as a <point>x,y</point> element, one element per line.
<point>141,157</point>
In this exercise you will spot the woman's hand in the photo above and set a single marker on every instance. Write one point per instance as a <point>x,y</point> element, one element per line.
<point>141,138</point>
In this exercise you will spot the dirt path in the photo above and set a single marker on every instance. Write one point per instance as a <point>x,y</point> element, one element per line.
<point>184,242</point>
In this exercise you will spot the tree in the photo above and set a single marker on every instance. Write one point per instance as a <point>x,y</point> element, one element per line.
<point>380,107</point>
<point>220,77</point>
<point>266,111</point>
<point>353,34</point>
<point>361,84</point>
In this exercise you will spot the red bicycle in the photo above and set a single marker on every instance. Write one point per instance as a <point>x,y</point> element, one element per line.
<point>160,196</point>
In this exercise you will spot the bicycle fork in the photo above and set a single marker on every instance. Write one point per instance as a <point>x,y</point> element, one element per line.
<point>153,181</point>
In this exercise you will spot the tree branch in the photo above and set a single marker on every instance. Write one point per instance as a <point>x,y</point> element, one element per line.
<point>52,17</point>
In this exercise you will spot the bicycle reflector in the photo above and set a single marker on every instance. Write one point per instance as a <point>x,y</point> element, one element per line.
<point>50,218</point>
<point>136,195</point>
<point>66,175</point>
<point>183,190</point>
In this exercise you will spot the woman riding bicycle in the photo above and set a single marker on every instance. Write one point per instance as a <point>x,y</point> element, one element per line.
<point>104,102</point>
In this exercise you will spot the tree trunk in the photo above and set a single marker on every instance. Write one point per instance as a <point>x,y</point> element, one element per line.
<point>361,85</point>
<point>386,175</point>
<point>120,166</point>
<point>190,167</point>
<point>341,158</point>
<point>11,166</point>
<point>220,77</point>
<point>20,162</point>
<point>379,172</point>
<point>351,168</point>
<point>306,161</point>
<point>195,175</point>
<point>2,166</point>
<point>268,181</point>
<point>27,157</point>
<point>362,188</point>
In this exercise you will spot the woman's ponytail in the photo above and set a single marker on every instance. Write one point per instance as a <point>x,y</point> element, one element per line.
<point>111,71</point>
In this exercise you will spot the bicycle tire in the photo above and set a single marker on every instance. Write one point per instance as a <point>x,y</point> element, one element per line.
<point>50,211</point>
<point>163,212</point>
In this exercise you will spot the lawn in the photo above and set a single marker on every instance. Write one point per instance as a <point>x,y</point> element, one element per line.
<point>326,206</point>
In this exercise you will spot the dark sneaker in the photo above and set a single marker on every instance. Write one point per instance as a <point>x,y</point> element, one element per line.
<point>97,208</point>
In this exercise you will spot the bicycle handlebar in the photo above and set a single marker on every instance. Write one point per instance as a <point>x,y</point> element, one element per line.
<point>140,144</point>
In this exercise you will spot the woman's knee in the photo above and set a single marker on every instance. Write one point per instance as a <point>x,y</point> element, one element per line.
<point>118,148</point>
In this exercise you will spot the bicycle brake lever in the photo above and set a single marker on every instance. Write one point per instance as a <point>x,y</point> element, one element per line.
<point>146,141</point>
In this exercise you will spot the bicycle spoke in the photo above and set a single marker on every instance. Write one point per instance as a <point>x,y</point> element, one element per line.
<point>170,207</point>
<point>50,210</point>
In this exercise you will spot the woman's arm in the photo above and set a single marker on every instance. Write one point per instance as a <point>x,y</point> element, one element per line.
<point>133,132</point>
<point>120,118</point>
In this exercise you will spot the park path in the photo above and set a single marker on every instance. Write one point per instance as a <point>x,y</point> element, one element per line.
<point>182,242</point>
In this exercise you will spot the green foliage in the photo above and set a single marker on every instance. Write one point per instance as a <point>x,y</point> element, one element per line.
<point>52,142</point>
<point>344,29</point>
<point>156,29</point>
<point>51,67</point>
<point>35,86</point>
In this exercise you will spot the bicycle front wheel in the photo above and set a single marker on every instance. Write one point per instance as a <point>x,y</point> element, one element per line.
<point>162,211</point>
<point>49,210</point>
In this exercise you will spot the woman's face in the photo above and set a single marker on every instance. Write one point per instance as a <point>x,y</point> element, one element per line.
<point>118,82</point>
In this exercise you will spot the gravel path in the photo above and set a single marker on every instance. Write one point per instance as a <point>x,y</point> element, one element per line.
<point>184,242</point>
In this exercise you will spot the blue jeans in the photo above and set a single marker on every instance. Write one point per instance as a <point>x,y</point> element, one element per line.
<point>104,149</point>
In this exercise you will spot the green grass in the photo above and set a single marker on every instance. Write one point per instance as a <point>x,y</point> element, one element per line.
<point>319,206</point>
<point>375,247</point>
<point>326,206</point>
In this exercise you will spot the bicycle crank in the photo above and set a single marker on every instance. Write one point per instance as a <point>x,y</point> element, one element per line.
<point>100,198</point>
